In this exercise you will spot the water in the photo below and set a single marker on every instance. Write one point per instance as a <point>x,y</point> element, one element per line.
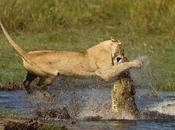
<point>125,125</point>
<point>92,102</point>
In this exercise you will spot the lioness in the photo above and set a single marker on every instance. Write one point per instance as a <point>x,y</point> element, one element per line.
<point>101,60</point>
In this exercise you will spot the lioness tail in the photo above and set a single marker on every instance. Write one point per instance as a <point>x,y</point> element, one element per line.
<point>22,53</point>
<point>15,46</point>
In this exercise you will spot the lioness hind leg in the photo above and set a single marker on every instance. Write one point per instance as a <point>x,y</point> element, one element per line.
<point>29,78</point>
<point>43,83</point>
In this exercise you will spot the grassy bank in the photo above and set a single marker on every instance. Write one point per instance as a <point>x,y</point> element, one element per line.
<point>4,112</point>
<point>147,29</point>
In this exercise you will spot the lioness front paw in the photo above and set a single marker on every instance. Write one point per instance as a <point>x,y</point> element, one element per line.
<point>137,63</point>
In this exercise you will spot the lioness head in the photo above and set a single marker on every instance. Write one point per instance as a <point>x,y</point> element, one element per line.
<point>117,52</point>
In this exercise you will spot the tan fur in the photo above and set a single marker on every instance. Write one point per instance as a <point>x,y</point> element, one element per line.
<point>99,60</point>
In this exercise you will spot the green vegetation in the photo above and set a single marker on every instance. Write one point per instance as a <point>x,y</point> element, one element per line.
<point>146,27</point>
<point>48,126</point>
<point>7,112</point>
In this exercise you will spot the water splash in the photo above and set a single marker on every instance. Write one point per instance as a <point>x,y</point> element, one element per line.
<point>144,59</point>
<point>92,103</point>
<point>165,107</point>
<point>82,103</point>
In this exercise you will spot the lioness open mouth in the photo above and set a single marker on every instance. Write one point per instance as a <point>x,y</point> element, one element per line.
<point>119,59</point>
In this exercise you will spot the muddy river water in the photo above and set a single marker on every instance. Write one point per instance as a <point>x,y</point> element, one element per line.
<point>86,103</point>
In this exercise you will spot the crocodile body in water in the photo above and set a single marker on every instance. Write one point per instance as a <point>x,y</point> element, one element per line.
<point>123,100</point>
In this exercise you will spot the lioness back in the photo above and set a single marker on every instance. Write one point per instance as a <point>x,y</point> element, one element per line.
<point>63,62</point>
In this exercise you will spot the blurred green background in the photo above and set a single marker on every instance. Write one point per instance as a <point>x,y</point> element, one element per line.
<point>145,27</point>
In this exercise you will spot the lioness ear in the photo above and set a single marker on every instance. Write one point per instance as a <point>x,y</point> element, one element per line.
<point>115,40</point>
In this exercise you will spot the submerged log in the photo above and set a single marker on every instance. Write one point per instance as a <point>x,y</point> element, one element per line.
<point>123,101</point>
